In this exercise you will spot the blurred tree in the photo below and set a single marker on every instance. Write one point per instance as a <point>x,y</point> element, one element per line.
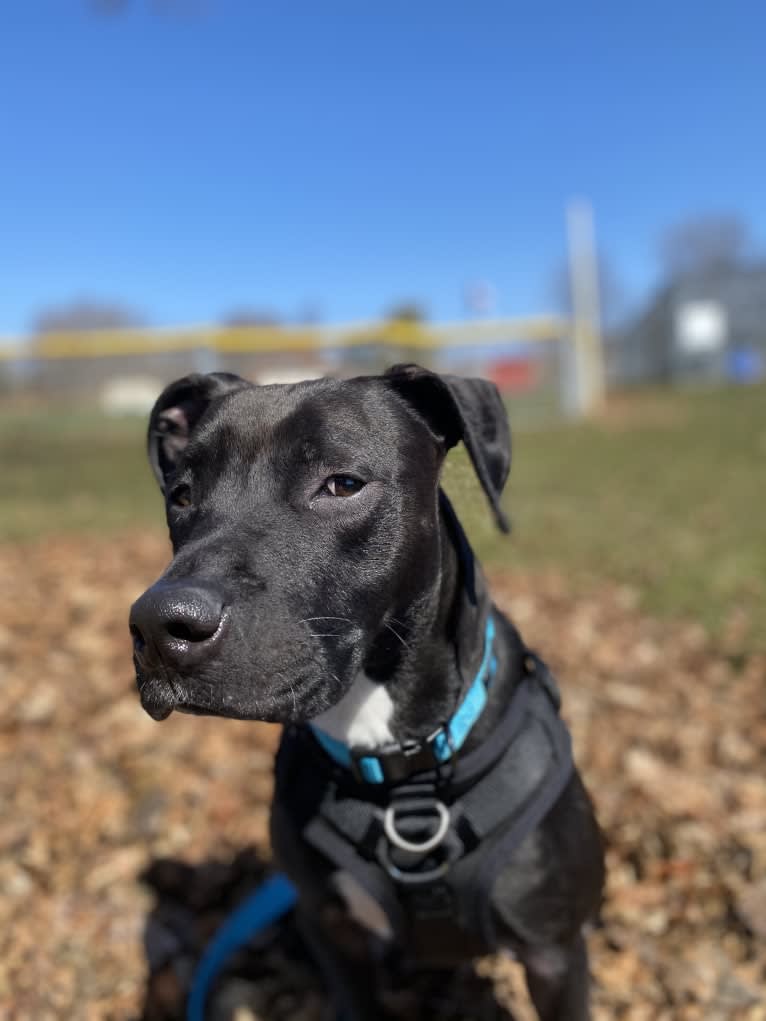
<point>612,298</point>
<point>309,313</point>
<point>406,312</point>
<point>250,317</point>
<point>86,316</point>
<point>706,242</point>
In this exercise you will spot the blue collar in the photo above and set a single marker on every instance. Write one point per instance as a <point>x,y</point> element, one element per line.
<point>439,747</point>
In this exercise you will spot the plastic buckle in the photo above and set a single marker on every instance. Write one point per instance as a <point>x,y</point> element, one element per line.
<point>355,768</point>
<point>445,768</point>
<point>402,761</point>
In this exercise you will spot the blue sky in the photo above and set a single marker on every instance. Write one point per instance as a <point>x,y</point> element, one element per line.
<point>225,153</point>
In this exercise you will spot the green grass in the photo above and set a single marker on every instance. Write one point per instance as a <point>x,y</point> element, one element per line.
<point>66,471</point>
<point>667,493</point>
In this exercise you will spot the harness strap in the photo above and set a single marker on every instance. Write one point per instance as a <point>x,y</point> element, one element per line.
<point>531,816</point>
<point>340,850</point>
<point>494,799</point>
<point>538,751</point>
<point>475,763</point>
<point>360,819</point>
<point>357,819</point>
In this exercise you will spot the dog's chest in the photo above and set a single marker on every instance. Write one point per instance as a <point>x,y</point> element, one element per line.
<point>362,718</point>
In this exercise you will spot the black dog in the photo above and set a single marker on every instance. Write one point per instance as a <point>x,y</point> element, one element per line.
<point>426,803</point>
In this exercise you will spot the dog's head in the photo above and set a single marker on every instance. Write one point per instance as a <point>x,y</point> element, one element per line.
<point>305,531</point>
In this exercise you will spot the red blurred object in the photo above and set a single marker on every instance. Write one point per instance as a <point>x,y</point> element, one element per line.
<point>515,374</point>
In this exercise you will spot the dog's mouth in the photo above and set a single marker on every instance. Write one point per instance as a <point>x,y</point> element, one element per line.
<point>159,697</point>
<point>161,692</point>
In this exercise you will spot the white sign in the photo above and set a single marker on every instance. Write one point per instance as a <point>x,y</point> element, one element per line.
<point>701,326</point>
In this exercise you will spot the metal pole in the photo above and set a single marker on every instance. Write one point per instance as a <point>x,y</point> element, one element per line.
<point>586,318</point>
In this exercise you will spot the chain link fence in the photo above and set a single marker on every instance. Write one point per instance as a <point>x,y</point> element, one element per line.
<point>530,360</point>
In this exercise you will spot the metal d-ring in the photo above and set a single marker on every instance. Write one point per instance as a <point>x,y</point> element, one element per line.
<point>389,826</point>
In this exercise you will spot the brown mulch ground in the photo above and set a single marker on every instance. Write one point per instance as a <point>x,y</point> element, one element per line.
<point>670,731</point>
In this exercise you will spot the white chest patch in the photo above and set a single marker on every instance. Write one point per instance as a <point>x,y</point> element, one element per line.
<point>362,718</point>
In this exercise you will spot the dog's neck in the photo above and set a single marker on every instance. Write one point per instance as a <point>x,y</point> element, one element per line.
<point>439,660</point>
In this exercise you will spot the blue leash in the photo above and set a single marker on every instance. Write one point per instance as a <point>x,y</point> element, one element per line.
<point>262,908</point>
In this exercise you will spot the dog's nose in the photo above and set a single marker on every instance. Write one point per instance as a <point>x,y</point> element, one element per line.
<point>176,622</point>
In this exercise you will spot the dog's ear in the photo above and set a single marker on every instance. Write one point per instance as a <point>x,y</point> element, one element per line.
<point>470,410</point>
<point>177,411</point>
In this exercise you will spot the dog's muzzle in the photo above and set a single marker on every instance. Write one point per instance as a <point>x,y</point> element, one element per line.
<point>176,627</point>
<point>158,697</point>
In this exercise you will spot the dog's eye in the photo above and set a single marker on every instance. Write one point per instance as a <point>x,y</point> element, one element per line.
<point>180,496</point>
<point>342,485</point>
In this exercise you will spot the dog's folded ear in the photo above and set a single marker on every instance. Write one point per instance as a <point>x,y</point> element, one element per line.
<point>177,411</point>
<point>470,410</point>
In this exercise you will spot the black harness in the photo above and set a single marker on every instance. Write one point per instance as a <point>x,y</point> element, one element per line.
<point>429,842</point>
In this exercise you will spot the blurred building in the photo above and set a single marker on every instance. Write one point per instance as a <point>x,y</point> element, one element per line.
<point>709,326</point>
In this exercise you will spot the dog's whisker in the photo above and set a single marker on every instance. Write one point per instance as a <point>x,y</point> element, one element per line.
<point>307,620</point>
<point>395,632</point>
<point>329,634</point>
